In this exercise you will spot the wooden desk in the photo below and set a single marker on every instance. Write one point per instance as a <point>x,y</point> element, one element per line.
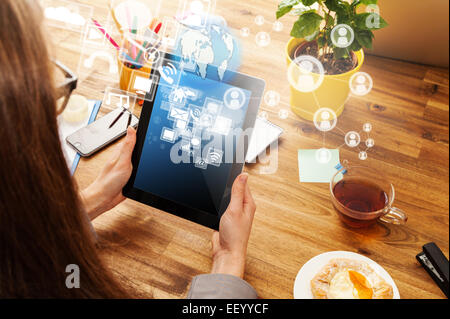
<point>155,254</point>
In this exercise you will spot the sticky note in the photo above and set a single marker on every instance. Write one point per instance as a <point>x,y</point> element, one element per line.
<point>317,167</point>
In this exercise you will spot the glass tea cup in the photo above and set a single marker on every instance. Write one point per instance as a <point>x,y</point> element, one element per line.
<point>362,195</point>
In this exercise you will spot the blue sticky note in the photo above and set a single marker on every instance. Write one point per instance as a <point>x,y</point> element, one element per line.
<point>317,167</point>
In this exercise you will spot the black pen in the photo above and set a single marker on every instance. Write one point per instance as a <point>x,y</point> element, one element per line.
<point>117,118</point>
<point>129,119</point>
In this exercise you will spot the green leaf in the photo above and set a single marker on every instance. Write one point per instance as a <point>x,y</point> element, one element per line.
<point>370,21</point>
<point>368,2</point>
<point>340,53</point>
<point>307,24</point>
<point>308,2</point>
<point>355,3</point>
<point>285,7</point>
<point>355,46</point>
<point>343,13</point>
<point>312,37</point>
<point>321,40</point>
<point>333,5</point>
<point>364,38</point>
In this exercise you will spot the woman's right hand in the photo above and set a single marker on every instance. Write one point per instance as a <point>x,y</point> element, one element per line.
<point>230,243</point>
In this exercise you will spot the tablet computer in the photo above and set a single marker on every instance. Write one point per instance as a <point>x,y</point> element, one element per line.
<point>192,138</point>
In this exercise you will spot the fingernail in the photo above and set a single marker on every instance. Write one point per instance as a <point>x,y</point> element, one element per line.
<point>243,178</point>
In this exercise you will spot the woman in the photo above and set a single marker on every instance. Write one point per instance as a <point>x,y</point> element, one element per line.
<point>43,218</point>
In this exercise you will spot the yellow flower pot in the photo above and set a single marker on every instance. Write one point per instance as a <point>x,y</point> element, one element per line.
<point>332,93</point>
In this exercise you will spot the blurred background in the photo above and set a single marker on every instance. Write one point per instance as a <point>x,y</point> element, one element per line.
<point>418,31</point>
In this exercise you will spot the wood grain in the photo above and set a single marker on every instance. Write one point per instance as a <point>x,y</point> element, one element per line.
<point>155,254</point>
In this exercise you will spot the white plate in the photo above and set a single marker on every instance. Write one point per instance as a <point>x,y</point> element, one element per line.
<point>302,287</point>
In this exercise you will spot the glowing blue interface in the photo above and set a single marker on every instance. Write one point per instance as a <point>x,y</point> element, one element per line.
<point>183,157</point>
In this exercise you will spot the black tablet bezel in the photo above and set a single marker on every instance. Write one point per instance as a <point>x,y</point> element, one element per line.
<point>256,86</point>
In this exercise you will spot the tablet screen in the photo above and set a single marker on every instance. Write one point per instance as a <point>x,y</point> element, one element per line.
<point>190,144</point>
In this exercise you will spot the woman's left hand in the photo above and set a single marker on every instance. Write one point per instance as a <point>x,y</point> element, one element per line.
<point>106,191</point>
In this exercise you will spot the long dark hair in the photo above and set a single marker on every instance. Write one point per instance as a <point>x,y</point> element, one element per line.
<point>43,226</point>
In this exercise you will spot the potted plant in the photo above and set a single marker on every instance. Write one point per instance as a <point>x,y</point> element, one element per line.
<point>314,34</point>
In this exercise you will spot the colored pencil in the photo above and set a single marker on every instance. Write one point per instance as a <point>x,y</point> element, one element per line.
<point>127,10</point>
<point>158,27</point>
<point>113,14</point>
<point>136,44</point>
<point>134,31</point>
<point>140,52</point>
<point>135,24</point>
<point>145,45</point>
<point>111,40</point>
<point>156,31</point>
<point>130,29</point>
<point>153,23</point>
<point>102,30</point>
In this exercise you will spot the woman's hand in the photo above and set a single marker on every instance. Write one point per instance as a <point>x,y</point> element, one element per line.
<point>106,191</point>
<point>230,243</point>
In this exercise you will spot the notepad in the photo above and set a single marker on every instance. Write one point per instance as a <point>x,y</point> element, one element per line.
<point>313,170</point>
<point>264,134</point>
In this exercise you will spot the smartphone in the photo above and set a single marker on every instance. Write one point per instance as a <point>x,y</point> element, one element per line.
<point>92,138</point>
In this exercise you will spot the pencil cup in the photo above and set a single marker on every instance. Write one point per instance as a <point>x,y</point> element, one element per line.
<point>128,75</point>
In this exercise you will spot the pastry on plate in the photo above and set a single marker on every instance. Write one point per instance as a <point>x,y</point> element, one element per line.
<point>345,278</point>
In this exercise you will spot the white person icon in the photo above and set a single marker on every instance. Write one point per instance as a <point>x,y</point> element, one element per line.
<point>342,36</point>
<point>306,73</point>
<point>245,32</point>
<point>367,127</point>
<point>361,83</point>
<point>342,39</point>
<point>305,79</point>
<point>325,119</point>
<point>370,142</point>
<point>362,155</point>
<point>352,139</point>
<point>234,98</point>
<point>323,155</point>
<point>262,39</point>
<point>272,98</point>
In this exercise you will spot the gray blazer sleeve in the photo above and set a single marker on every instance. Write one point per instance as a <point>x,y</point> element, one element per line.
<point>220,286</point>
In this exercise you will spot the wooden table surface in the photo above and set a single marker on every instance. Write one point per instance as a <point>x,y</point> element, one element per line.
<point>155,254</point>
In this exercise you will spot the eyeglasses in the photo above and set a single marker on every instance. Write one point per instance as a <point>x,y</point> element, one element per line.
<point>64,91</point>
